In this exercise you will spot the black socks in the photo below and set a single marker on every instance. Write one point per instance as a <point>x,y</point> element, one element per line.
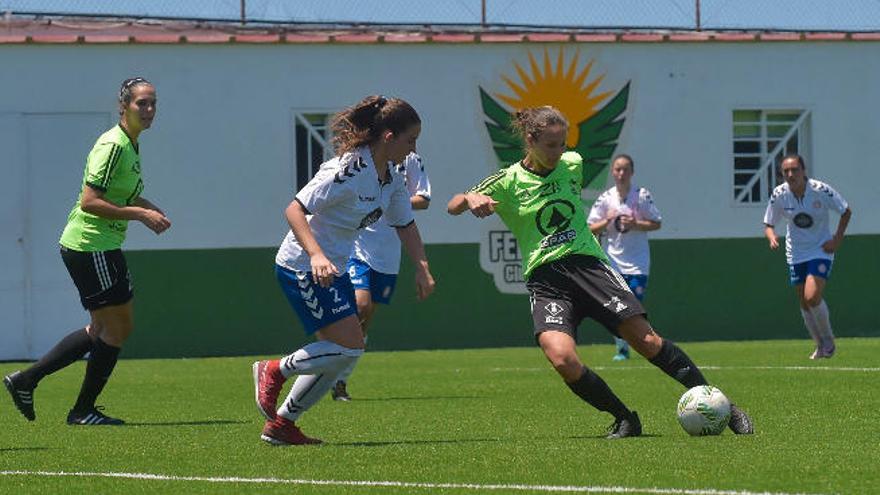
<point>675,363</point>
<point>101,364</point>
<point>592,388</point>
<point>65,352</point>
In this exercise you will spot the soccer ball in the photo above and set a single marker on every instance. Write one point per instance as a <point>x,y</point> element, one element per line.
<point>703,410</point>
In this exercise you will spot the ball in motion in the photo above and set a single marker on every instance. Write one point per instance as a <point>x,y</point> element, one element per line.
<point>703,410</point>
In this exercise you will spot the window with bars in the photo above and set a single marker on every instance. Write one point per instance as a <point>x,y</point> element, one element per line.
<point>312,145</point>
<point>761,138</point>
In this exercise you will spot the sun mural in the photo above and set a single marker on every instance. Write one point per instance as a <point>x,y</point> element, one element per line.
<point>594,131</point>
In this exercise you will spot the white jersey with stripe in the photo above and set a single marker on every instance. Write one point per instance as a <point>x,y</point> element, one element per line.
<point>628,251</point>
<point>345,196</point>
<point>807,226</point>
<point>378,244</point>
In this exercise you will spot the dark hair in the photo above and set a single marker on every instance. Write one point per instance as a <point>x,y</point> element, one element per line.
<point>364,122</point>
<point>533,121</point>
<point>794,156</point>
<point>632,164</point>
<point>126,87</point>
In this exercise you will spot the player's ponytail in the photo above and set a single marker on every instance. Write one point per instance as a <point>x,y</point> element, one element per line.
<point>364,122</point>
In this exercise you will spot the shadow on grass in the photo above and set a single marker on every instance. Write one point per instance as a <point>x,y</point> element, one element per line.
<point>602,436</point>
<point>411,442</point>
<point>212,422</point>
<point>432,397</point>
<point>22,449</point>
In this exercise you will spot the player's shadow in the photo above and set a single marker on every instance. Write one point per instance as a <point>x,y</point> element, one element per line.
<point>22,449</point>
<point>412,442</point>
<point>209,422</point>
<point>423,397</point>
<point>604,436</point>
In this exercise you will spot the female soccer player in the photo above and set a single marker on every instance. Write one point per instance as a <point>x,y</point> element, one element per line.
<point>809,245</point>
<point>375,260</point>
<point>622,216</point>
<point>349,193</point>
<point>91,249</point>
<point>567,273</point>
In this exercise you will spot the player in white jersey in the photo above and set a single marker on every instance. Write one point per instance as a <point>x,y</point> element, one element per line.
<point>375,260</point>
<point>623,215</point>
<point>809,245</point>
<point>349,193</point>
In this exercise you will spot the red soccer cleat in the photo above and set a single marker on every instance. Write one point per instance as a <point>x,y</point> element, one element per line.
<point>282,431</point>
<point>268,381</point>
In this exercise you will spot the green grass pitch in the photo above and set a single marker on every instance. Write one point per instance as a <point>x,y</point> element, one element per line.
<point>461,422</point>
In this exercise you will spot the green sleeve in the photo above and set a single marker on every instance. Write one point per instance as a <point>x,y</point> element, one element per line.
<point>101,164</point>
<point>493,186</point>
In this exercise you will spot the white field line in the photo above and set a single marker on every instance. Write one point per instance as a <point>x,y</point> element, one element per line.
<point>397,484</point>
<point>780,368</point>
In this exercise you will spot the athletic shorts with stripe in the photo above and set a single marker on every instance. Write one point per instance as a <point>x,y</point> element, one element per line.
<point>316,306</point>
<point>565,291</point>
<point>101,277</point>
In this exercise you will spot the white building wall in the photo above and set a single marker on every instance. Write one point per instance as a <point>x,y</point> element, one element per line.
<point>220,158</point>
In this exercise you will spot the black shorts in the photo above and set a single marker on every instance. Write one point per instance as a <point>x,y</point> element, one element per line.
<point>565,291</point>
<point>101,277</point>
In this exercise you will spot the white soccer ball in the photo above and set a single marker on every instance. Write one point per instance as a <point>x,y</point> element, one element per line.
<point>703,410</point>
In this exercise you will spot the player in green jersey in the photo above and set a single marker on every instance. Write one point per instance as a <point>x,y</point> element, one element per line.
<point>567,273</point>
<point>91,250</point>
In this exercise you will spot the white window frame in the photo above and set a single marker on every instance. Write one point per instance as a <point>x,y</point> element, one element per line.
<point>320,133</point>
<point>769,158</point>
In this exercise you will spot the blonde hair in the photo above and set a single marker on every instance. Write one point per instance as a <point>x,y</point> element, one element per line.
<point>534,121</point>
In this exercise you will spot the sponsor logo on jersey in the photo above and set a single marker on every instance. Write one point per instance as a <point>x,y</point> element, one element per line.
<point>366,198</point>
<point>555,216</point>
<point>803,220</point>
<point>547,189</point>
<point>557,239</point>
<point>371,218</point>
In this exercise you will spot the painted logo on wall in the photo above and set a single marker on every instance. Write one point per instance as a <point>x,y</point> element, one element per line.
<point>596,118</point>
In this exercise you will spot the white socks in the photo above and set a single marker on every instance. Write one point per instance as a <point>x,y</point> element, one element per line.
<point>322,356</point>
<point>346,373</point>
<point>810,323</point>
<point>823,322</point>
<point>318,364</point>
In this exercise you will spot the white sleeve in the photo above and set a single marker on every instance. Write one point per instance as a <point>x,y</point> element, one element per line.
<point>399,212</point>
<point>647,209</point>
<point>833,199</point>
<point>774,210</point>
<point>598,211</point>
<point>326,188</point>
<point>416,178</point>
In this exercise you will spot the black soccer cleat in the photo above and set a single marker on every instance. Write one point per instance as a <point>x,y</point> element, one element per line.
<point>339,392</point>
<point>628,426</point>
<point>92,417</point>
<point>740,422</point>
<point>22,397</point>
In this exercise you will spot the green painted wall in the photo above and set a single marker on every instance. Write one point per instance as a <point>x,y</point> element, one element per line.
<point>226,302</point>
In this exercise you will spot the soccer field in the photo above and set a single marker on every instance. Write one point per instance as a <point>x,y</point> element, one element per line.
<point>461,422</point>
